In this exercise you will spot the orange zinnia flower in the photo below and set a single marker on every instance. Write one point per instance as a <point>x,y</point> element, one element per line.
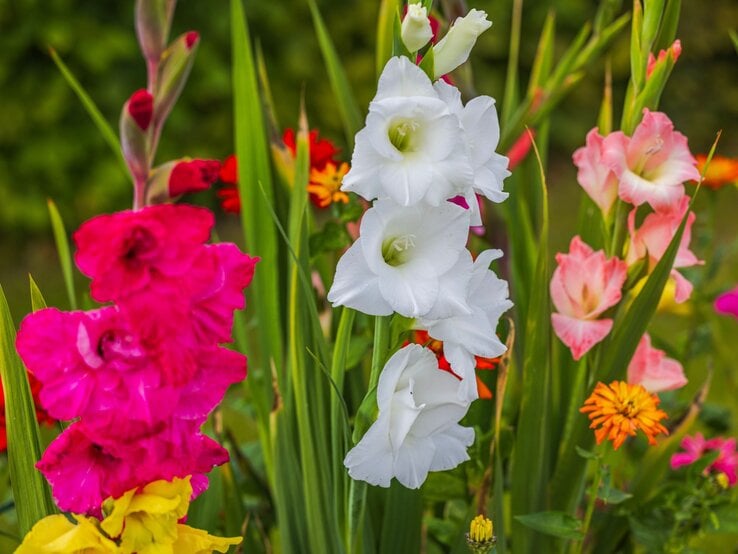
<point>325,185</point>
<point>721,171</point>
<point>621,409</point>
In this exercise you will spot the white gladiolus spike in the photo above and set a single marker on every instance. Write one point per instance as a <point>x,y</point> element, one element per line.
<point>417,428</point>
<point>416,28</point>
<point>453,49</point>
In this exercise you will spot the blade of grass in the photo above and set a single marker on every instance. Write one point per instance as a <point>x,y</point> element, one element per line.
<point>24,444</point>
<point>37,299</point>
<point>347,107</point>
<point>92,110</point>
<point>385,31</point>
<point>62,249</point>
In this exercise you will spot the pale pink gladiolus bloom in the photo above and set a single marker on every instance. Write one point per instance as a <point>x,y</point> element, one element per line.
<point>596,178</point>
<point>652,239</point>
<point>727,303</point>
<point>675,50</point>
<point>652,164</point>
<point>653,370</point>
<point>583,286</point>
<point>695,447</point>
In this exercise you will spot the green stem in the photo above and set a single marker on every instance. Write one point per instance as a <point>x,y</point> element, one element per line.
<point>591,502</point>
<point>379,352</point>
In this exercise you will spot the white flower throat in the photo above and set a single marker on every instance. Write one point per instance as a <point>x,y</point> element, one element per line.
<point>396,250</point>
<point>404,134</point>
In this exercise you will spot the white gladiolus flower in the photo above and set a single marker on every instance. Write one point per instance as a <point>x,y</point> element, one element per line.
<point>474,334</point>
<point>453,49</point>
<point>416,28</point>
<point>481,135</point>
<point>407,260</point>
<point>417,429</point>
<point>412,148</point>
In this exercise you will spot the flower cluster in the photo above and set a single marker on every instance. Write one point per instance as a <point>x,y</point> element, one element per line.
<point>140,375</point>
<point>141,520</point>
<point>696,447</point>
<point>422,158</point>
<point>648,168</point>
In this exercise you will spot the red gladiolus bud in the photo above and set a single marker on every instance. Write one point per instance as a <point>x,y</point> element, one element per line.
<point>141,108</point>
<point>191,38</point>
<point>229,171</point>
<point>193,176</point>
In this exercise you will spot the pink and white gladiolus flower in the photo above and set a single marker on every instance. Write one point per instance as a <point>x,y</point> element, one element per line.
<point>417,428</point>
<point>652,239</point>
<point>652,164</point>
<point>653,370</point>
<point>412,148</point>
<point>407,260</point>
<point>583,286</point>
<point>465,336</point>
<point>596,178</point>
<point>481,130</point>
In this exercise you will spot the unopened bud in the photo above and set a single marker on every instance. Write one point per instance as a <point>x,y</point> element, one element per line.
<point>141,108</point>
<point>135,121</point>
<point>178,177</point>
<point>454,49</point>
<point>673,53</point>
<point>480,537</point>
<point>153,21</point>
<point>416,29</point>
<point>176,63</point>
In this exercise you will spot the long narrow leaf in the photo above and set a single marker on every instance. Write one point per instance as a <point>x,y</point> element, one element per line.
<point>532,452</point>
<point>97,117</point>
<point>62,249</point>
<point>33,499</point>
<point>347,107</point>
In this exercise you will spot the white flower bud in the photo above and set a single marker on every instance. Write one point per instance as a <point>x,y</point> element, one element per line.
<point>454,48</point>
<point>416,28</point>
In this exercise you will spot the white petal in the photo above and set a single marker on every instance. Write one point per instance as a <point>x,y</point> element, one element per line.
<point>450,95</point>
<point>464,365</point>
<point>413,461</point>
<point>355,286</point>
<point>371,460</point>
<point>442,235</point>
<point>401,77</point>
<point>453,290</point>
<point>451,447</point>
<point>410,290</point>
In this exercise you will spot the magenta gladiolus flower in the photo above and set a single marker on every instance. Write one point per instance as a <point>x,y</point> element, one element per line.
<point>727,303</point>
<point>596,178</point>
<point>152,248</point>
<point>652,239</point>
<point>652,164</point>
<point>583,286</point>
<point>653,370</point>
<point>695,447</point>
<point>83,470</point>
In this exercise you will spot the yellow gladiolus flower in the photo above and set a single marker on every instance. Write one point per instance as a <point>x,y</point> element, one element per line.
<point>58,535</point>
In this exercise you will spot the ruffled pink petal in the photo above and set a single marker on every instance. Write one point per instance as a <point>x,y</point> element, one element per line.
<point>653,370</point>
<point>580,335</point>
<point>598,181</point>
<point>683,287</point>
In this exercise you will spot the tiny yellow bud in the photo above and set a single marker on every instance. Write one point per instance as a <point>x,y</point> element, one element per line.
<point>480,538</point>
